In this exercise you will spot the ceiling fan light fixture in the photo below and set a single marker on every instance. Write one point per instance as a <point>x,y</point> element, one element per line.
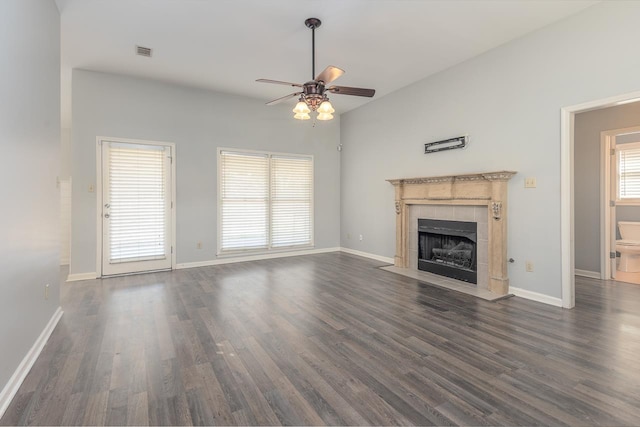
<point>301,108</point>
<point>313,94</point>
<point>302,116</point>
<point>326,108</point>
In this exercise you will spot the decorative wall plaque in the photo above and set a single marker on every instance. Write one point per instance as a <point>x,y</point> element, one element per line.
<point>446,144</point>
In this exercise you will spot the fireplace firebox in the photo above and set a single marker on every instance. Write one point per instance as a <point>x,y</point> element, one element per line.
<point>448,248</point>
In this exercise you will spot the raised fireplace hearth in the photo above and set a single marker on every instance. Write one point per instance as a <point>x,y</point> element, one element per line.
<point>480,198</point>
<point>448,248</point>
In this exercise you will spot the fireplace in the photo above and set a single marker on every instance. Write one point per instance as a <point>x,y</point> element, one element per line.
<point>480,197</point>
<point>448,248</point>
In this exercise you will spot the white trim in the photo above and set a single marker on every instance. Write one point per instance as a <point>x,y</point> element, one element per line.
<point>367,255</point>
<point>11,388</point>
<point>174,205</point>
<point>535,296</point>
<point>587,273</point>
<point>98,190</point>
<point>218,205</point>
<point>262,256</point>
<point>238,253</point>
<point>628,202</point>
<point>82,276</point>
<point>627,131</point>
<point>607,142</point>
<point>567,244</point>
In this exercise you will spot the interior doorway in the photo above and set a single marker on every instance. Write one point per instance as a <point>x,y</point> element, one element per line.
<point>136,220</point>
<point>568,190</point>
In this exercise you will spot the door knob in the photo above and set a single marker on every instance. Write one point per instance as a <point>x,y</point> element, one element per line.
<point>106,215</point>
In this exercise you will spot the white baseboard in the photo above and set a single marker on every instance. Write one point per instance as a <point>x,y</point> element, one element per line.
<point>587,273</point>
<point>367,255</point>
<point>259,257</point>
<point>81,276</point>
<point>535,296</point>
<point>11,388</point>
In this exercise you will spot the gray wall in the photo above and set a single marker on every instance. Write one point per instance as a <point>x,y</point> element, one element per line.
<point>508,100</point>
<point>65,153</point>
<point>198,122</point>
<point>588,127</point>
<point>30,135</point>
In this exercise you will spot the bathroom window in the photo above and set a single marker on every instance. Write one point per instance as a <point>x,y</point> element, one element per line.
<point>628,160</point>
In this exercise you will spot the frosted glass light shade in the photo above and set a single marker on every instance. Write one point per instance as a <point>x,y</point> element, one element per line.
<point>325,116</point>
<point>326,108</point>
<point>302,116</point>
<point>301,108</point>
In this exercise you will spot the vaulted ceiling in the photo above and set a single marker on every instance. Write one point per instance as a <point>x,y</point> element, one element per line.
<point>225,45</point>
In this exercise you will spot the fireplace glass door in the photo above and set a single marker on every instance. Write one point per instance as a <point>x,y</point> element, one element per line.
<point>448,248</point>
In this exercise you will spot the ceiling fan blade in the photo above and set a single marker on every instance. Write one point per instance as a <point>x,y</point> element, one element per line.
<point>278,82</point>
<point>329,74</point>
<point>356,91</point>
<point>284,98</point>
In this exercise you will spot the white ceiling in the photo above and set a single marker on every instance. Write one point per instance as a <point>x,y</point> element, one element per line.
<point>225,45</point>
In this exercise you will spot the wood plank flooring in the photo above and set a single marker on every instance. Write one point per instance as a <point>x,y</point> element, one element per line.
<point>623,276</point>
<point>330,339</point>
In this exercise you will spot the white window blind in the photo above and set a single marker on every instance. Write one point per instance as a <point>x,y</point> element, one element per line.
<point>137,203</point>
<point>628,171</point>
<point>291,195</point>
<point>266,200</point>
<point>244,188</point>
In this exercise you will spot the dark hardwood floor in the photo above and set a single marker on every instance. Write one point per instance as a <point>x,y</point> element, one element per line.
<point>330,339</point>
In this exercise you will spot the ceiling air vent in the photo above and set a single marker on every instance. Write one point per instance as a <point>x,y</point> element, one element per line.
<point>143,51</point>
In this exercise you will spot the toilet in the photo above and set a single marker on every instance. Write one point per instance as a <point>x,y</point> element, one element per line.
<point>629,246</point>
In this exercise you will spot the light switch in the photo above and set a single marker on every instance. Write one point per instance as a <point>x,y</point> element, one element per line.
<point>91,188</point>
<point>529,183</point>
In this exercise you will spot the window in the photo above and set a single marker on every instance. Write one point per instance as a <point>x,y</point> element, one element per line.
<point>265,200</point>
<point>628,173</point>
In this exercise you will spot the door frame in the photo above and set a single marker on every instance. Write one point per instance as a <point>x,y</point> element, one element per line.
<point>98,190</point>
<point>567,181</point>
<point>608,223</point>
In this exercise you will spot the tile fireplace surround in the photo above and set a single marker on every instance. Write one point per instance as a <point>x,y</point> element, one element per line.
<point>472,194</point>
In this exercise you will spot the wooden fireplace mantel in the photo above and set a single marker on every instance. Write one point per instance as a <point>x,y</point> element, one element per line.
<point>480,189</point>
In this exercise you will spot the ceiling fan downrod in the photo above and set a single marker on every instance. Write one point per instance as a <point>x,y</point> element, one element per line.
<point>313,23</point>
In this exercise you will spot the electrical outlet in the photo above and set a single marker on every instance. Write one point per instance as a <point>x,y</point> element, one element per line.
<point>361,238</point>
<point>46,291</point>
<point>349,236</point>
<point>530,183</point>
<point>528,266</point>
<point>199,245</point>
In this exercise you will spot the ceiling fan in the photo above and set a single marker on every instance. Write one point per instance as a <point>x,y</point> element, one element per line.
<point>313,94</point>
